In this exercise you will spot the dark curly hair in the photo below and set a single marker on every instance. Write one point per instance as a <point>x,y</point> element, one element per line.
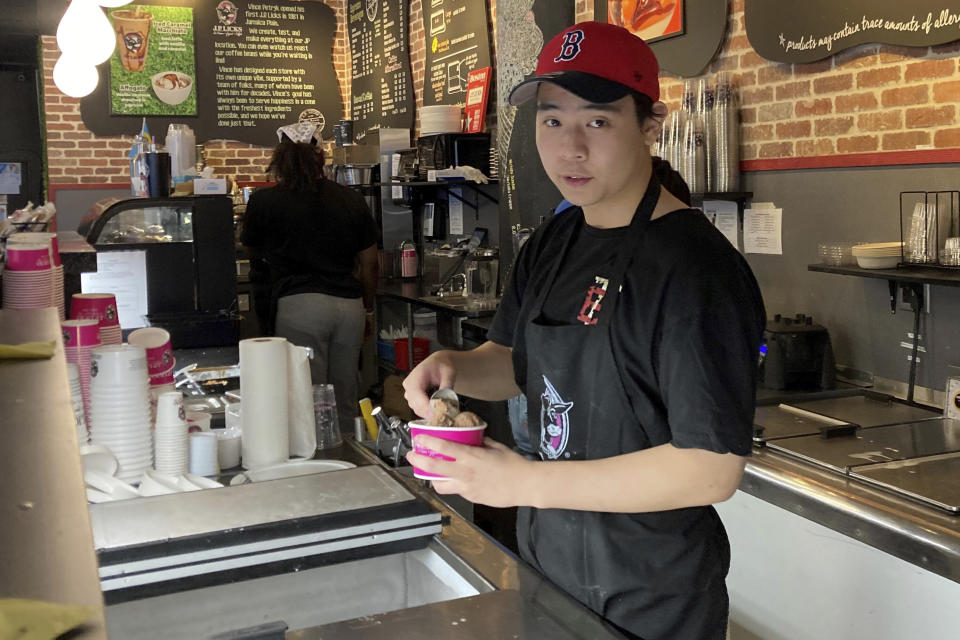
<point>297,166</point>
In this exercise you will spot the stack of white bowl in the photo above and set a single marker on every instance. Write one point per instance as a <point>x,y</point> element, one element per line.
<point>120,407</point>
<point>171,434</point>
<point>440,118</point>
<point>877,255</point>
<point>76,399</point>
<point>50,240</point>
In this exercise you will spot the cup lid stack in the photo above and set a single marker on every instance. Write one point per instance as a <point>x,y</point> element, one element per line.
<point>120,407</point>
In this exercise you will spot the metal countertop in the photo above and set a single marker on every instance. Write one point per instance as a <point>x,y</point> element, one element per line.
<point>418,292</point>
<point>46,544</point>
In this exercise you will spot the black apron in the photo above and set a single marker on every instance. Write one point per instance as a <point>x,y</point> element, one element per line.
<point>652,575</point>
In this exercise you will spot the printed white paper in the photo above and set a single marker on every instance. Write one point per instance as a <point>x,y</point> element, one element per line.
<point>124,274</point>
<point>456,212</point>
<point>10,178</point>
<point>762,231</point>
<point>723,215</point>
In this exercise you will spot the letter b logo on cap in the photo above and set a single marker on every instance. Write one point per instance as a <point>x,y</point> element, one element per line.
<point>571,46</point>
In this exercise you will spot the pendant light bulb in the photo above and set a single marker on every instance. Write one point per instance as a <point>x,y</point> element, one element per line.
<point>75,78</point>
<point>113,4</point>
<point>85,33</point>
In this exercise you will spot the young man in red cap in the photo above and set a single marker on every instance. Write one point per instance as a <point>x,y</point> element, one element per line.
<point>634,326</point>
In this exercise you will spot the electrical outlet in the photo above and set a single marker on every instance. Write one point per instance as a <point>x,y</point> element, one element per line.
<point>905,297</point>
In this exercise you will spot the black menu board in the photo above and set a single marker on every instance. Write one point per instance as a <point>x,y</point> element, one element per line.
<point>816,29</point>
<point>259,65</point>
<point>458,41</point>
<point>382,85</point>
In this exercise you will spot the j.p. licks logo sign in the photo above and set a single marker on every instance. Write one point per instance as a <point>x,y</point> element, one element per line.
<point>816,29</point>
<point>227,14</point>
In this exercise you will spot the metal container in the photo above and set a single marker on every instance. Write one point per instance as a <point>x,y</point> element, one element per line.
<point>354,174</point>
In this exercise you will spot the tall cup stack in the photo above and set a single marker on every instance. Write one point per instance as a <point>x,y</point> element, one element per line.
<point>101,307</point>
<point>160,362</point>
<point>264,405</point>
<point>28,277</point>
<point>56,276</point>
<point>80,338</point>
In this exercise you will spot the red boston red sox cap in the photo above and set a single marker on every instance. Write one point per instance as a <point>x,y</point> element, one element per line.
<point>597,61</point>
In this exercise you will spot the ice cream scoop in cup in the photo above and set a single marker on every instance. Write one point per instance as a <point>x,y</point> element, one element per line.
<point>468,435</point>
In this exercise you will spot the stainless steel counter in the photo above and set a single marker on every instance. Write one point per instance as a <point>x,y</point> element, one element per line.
<point>417,292</point>
<point>923,536</point>
<point>46,545</point>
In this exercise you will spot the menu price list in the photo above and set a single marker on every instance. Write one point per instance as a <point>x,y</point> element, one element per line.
<point>457,43</point>
<point>381,79</point>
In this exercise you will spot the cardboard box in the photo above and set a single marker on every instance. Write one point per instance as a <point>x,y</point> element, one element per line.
<point>209,186</point>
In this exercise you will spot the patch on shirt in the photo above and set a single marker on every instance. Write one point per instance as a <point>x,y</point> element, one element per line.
<point>554,422</point>
<point>591,302</point>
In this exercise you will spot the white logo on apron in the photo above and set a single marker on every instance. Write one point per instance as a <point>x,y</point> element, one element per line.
<point>554,422</point>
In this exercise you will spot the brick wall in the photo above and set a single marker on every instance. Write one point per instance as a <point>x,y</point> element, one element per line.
<point>875,98</point>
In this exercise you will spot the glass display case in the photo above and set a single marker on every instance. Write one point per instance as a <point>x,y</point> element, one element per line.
<point>172,223</point>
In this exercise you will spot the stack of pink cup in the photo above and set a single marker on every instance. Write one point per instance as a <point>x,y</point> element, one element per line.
<point>160,360</point>
<point>28,278</point>
<point>80,338</point>
<point>101,307</point>
<point>50,241</point>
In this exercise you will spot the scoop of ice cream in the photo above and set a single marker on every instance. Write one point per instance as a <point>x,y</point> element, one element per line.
<point>442,412</point>
<point>467,419</point>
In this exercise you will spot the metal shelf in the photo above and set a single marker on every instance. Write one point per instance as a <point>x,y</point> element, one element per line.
<point>919,275</point>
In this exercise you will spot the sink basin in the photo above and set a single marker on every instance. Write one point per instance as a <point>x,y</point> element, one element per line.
<point>303,599</point>
<point>462,303</point>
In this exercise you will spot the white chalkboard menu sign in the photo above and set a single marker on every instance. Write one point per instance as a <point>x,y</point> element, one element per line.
<point>816,29</point>
<point>231,69</point>
<point>382,86</point>
<point>458,41</point>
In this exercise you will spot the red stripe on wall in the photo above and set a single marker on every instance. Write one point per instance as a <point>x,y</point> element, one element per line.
<point>887,158</point>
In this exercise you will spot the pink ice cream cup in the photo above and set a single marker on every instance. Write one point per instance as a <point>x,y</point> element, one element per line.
<point>472,436</point>
<point>80,333</point>
<point>99,306</point>
<point>28,257</point>
<point>156,341</point>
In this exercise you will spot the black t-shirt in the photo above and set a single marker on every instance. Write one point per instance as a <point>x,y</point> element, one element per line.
<point>311,237</point>
<point>686,330</point>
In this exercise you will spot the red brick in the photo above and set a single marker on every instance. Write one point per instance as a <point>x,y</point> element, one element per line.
<point>760,94</point>
<point>817,107</point>
<point>747,79</point>
<point>878,77</point>
<point>793,90</point>
<point>796,129</point>
<point>773,73</point>
<point>905,140</point>
<point>832,84</point>
<point>776,150</point>
<point>880,121</point>
<point>833,126</point>
<point>675,92</point>
<point>60,126</point>
<point>947,139</point>
<point>737,43</point>
<point>748,152</point>
<point>856,102</point>
<point>758,132</point>
<point>93,162</point>
<point>820,66</point>
<point>905,96</point>
<point>919,71</point>
<point>751,59</point>
<point>776,111</point>
<point>748,115</point>
<point>930,116</point>
<point>946,91</point>
<point>857,144</point>
<point>811,148</point>
<point>61,144</point>
<point>78,153</point>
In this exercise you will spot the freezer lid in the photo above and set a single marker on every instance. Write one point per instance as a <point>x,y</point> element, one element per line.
<point>142,522</point>
<point>783,421</point>
<point>868,410</point>
<point>875,445</point>
<point>931,480</point>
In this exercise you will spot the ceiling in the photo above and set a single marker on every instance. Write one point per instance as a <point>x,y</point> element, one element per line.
<point>21,22</point>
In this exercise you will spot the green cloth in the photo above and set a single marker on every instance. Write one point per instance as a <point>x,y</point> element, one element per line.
<point>27,350</point>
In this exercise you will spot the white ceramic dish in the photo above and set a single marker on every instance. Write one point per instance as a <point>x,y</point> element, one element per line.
<point>289,470</point>
<point>192,482</point>
<point>154,483</point>
<point>118,489</point>
<point>878,262</point>
<point>98,496</point>
<point>169,90</point>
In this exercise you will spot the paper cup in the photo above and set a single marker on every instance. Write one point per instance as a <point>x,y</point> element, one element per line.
<point>228,448</point>
<point>203,454</point>
<point>200,419</point>
<point>119,366</point>
<point>80,333</point>
<point>45,238</point>
<point>472,436</point>
<point>99,306</point>
<point>28,257</point>
<point>170,408</point>
<point>159,352</point>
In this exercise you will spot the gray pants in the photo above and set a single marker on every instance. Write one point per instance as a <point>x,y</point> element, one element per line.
<point>333,328</point>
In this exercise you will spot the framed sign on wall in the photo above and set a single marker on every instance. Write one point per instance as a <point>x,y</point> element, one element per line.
<point>652,20</point>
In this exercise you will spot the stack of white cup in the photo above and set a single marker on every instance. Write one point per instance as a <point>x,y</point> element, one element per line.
<point>120,407</point>
<point>76,399</point>
<point>203,454</point>
<point>171,434</point>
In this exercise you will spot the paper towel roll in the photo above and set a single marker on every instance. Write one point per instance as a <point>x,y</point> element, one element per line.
<point>264,407</point>
<point>303,434</point>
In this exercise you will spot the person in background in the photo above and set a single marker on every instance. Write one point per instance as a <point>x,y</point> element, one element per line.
<point>632,325</point>
<point>314,243</point>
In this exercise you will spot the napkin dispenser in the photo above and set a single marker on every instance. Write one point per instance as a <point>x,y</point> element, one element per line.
<point>798,355</point>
